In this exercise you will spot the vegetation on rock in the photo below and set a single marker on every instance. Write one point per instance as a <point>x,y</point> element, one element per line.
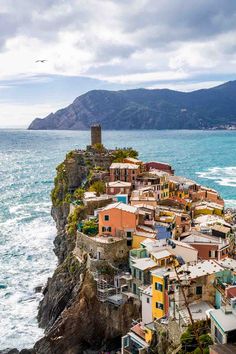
<point>189,342</point>
<point>90,227</point>
<point>98,187</point>
<point>121,154</point>
<point>78,214</point>
<point>60,186</point>
<point>79,193</point>
<point>99,148</point>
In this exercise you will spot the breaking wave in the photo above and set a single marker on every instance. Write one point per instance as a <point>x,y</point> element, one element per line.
<point>223,176</point>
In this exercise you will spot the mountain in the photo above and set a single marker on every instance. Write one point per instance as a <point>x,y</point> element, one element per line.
<point>147,109</point>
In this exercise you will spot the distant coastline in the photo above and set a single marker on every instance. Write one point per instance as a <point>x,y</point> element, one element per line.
<point>212,109</point>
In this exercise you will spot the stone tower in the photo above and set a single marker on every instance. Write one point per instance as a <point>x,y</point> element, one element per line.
<point>96,134</point>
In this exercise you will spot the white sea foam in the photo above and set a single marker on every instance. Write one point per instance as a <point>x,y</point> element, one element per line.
<point>223,176</point>
<point>230,203</point>
<point>27,261</point>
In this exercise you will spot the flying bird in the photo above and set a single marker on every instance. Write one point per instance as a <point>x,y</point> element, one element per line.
<point>40,61</point>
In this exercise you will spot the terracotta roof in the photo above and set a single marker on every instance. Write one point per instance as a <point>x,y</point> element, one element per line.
<point>231,292</point>
<point>137,329</point>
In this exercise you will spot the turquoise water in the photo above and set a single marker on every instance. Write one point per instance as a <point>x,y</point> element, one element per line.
<point>27,167</point>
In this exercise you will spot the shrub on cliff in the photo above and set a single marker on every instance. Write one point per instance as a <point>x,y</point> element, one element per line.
<point>79,193</point>
<point>78,214</point>
<point>90,227</point>
<point>70,154</point>
<point>99,148</point>
<point>60,189</point>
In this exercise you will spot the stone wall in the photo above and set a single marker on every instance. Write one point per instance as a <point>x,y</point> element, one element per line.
<point>114,251</point>
<point>208,290</point>
<point>92,157</point>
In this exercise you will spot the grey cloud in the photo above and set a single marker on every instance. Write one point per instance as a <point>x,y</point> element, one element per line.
<point>155,23</point>
<point>163,23</point>
<point>158,24</point>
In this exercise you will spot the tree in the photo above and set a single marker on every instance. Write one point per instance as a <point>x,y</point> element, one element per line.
<point>188,341</point>
<point>194,327</point>
<point>121,154</point>
<point>98,187</point>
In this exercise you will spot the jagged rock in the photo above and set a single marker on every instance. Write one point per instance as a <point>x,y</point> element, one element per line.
<point>88,324</point>
<point>59,291</point>
<point>38,289</point>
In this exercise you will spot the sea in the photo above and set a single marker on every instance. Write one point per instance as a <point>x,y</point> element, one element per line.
<point>27,168</point>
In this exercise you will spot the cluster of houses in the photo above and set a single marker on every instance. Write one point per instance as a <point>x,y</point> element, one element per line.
<point>162,230</point>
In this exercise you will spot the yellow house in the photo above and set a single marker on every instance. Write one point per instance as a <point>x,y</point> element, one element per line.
<point>165,192</point>
<point>141,234</point>
<point>160,303</point>
<point>165,216</point>
<point>162,257</point>
<point>203,210</point>
<point>208,209</point>
<point>149,331</point>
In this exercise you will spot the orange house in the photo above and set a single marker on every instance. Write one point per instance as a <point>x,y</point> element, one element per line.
<point>118,220</point>
<point>208,194</point>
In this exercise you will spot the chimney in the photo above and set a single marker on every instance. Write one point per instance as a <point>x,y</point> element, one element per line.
<point>96,134</point>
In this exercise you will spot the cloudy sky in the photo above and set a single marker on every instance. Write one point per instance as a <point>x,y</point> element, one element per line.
<point>109,44</point>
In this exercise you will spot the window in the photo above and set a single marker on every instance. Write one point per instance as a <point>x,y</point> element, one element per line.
<point>148,300</point>
<point>198,290</point>
<point>129,242</point>
<point>212,254</point>
<point>106,229</point>
<point>134,272</point>
<point>158,287</point>
<point>140,275</point>
<point>128,234</point>
<point>218,335</point>
<point>159,306</point>
<point>106,217</point>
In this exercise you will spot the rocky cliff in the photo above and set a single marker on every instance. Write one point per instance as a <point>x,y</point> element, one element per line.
<point>147,109</point>
<point>75,321</point>
<point>85,324</point>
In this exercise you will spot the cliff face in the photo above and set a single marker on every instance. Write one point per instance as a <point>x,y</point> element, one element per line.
<point>147,109</point>
<point>74,319</point>
<point>87,324</point>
